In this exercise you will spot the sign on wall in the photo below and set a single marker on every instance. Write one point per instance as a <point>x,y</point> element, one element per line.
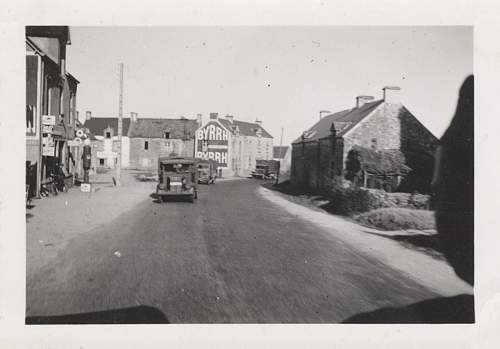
<point>48,120</point>
<point>212,142</point>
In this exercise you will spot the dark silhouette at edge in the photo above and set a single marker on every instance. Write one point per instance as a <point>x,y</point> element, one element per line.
<point>132,315</point>
<point>453,196</point>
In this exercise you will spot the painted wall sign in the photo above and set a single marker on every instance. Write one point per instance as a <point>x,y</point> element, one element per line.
<point>212,142</point>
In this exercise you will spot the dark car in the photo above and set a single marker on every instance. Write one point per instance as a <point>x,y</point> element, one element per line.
<point>177,177</point>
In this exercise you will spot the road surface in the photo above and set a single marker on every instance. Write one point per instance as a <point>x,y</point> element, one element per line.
<point>231,257</point>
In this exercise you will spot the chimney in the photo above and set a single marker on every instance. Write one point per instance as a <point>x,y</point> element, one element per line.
<point>258,122</point>
<point>199,119</point>
<point>391,94</point>
<point>214,116</point>
<point>133,116</point>
<point>88,115</point>
<point>361,100</point>
<point>229,118</point>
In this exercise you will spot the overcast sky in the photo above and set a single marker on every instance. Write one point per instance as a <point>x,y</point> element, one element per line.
<point>282,75</point>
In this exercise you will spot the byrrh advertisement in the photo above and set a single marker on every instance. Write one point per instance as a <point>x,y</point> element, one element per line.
<point>212,142</point>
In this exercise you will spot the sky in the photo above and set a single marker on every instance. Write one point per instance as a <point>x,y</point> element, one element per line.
<point>283,76</point>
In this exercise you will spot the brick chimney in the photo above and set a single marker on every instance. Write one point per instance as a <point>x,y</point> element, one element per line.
<point>88,115</point>
<point>214,116</point>
<point>391,94</point>
<point>199,119</point>
<point>230,118</point>
<point>133,116</point>
<point>258,122</point>
<point>361,100</point>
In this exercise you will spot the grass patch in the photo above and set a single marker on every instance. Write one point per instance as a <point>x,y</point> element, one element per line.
<point>397,219</point>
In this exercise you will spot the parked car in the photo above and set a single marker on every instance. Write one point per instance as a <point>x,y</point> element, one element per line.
<point>177,177</point>
<point>207,171</point>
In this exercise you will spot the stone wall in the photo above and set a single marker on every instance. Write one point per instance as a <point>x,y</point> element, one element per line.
<point>147,159</point>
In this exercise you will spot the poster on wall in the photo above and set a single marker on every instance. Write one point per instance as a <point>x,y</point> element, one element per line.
<point>48,146</point>
<point>212,142</point>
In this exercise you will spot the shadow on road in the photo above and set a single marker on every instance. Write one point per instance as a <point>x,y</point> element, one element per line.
<point>443,310</point>
<point>133,315</point>
<point>428,244</point>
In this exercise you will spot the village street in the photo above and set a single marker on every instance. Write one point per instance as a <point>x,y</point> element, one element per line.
<point>232,256</point>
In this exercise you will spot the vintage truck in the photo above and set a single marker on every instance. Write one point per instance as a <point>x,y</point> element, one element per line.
<point>177,177</point>
<point>266,169</point>
<point>207,171</point>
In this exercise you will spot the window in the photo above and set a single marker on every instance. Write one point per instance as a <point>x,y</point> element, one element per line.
<point>167,135</point>
<point>101,162</point>
<point>374,143</point>
<point>146,145</point>
<point>31,120</point>
<point>108,134</point>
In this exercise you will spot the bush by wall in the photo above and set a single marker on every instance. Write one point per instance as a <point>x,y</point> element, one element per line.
<point>349,199</point>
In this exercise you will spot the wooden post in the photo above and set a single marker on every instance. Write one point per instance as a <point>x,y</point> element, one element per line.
<point>365,179</point>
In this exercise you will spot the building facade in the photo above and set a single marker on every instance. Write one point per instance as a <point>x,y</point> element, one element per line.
<point>383,129</point>
<point>50,105</point>
<point>151,138</point>
<point>234,145</point>
<point>104,141</point>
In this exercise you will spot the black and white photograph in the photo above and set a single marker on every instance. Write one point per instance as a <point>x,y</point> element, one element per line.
<point>249,175</point>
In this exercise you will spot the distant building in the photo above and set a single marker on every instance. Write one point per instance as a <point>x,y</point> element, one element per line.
<point>50,105</point>
<point>283,154</point>
<point>234,145</point>
<point>104,140</point>
<point>380,144</point>
<point>151,138</point>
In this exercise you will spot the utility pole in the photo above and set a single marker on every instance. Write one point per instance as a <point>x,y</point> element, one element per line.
<point>280,159</point>
<point>120,130</point>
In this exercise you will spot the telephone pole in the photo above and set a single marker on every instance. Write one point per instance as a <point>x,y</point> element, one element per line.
<point>280,160</point>
<point>120,130</point>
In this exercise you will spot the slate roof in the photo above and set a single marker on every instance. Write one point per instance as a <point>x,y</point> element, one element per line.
<point>343,121</point>
<point>280,152</point>
<point>245,128</point>
<point>156,128</point>
<point>98,125</point>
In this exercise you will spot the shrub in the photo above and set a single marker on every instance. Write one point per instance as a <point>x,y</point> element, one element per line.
<point>398,219</point>
<point>347,198</point>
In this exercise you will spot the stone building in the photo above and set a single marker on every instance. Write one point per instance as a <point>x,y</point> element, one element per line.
<point>235,145</point>
<point>382,129</point>
<point>50,105</point>
<point>151,138</point>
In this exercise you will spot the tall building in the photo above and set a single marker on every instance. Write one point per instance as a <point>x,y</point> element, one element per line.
<point>235,145</point>
<point>50,105</point>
